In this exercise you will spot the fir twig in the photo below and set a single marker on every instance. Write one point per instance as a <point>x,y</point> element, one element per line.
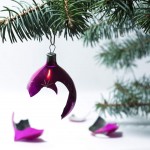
<point>67,13</point>
<point>120,17</point>
<point>130,98</point>
<point>105,30</point>
<point>122,54</point>
<point>51,17</point>
<point>106,105</point>
<point>25,12</point>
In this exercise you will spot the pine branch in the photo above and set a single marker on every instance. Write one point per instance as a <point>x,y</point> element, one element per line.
<point>142,17</point>
<point>121,105</point>
<point>104,30</point>
<point>111,19</point>
<point>117,18</point>
<point>118,55</point>
<point>129,109</point>
<point>72,18</point>
<point>122,11</point>
<point>70,21</point>
<point>23,13</point>
<point>117,11</point>
<point>51,17</point>
<point>25,24</point>
<point>128,98</point>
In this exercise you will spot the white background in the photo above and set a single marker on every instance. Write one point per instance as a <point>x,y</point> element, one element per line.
<point>20,60</point>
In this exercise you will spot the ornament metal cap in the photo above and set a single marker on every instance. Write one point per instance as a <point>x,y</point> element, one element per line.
<point>51,59</point>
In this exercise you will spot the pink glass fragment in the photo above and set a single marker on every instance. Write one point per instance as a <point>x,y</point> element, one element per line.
<point>28,133</point>
<point>47,76</point>
<point>107,129</point>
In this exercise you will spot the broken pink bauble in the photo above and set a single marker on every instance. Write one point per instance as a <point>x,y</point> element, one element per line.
<point>47,76</point>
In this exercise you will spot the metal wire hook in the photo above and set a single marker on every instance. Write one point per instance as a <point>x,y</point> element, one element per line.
<point>52,43</point>
<point>50,48</point>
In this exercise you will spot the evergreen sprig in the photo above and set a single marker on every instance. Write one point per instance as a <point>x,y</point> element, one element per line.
<point>50,17</point>
<point>117,54</point>
<point>104,30</point>
<point>128,98</point>
<point>142,17</point>
<point>116,10</point>
<point>73,18</point>
<point>117,18</point>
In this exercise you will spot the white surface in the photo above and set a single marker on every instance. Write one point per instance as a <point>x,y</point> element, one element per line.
<point>44,112</point>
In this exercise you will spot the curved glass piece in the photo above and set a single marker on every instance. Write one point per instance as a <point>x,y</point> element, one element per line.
<point>107,129</point>
<point>23,131</point>
<point>100,126</point>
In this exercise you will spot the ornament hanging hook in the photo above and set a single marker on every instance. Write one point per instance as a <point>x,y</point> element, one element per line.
<point>52,46</point>
<point>52,43</point>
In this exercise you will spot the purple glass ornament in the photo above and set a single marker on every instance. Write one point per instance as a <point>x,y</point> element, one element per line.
<point>47,76</point>
<point>23,131</point>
